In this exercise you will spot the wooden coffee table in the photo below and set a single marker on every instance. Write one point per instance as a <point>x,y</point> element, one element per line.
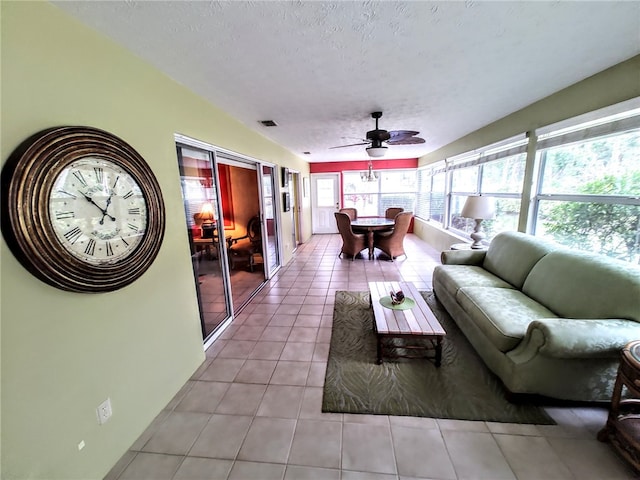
<point>417,323</point>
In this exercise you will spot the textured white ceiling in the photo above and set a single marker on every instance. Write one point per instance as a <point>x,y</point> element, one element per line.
<point>320,68</point>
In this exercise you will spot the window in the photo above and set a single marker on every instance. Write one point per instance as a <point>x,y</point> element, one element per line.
<point>393,188</point>
<point>497,173</point>
<point>590,195</point>
<point>584,188</point>
<point>430,199</point>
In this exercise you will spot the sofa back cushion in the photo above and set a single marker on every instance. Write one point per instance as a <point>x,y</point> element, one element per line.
<point>511,256</point>
<point>583,285</point>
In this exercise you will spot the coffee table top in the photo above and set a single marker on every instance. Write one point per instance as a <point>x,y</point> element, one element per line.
<point>418,320</point>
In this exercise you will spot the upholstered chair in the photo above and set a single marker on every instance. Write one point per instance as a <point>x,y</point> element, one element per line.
<point>352,212</point>
<point>393,243</point>
<point>392,212</point>
<point>352,243</point>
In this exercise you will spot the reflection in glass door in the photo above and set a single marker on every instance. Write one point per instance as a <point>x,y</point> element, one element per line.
<point>199,183</point>
<point>271,245</point>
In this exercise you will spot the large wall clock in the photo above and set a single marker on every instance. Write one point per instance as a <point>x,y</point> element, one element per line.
<point>81,209</point>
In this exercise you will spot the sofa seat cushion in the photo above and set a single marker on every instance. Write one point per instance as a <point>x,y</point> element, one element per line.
<point>452,277</point>
<point>502,314</point>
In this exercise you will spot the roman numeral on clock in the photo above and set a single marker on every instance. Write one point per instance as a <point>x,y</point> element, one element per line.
<point>67,193</point>
<point>132,227</point>
<point>73,235</point>
<point>80,177</point>
<point>63,215</point>
<point>134,211</point>
<point>99,174</point>
<point>91,247</point>
<point>128,194</point>
<point>109,249</point>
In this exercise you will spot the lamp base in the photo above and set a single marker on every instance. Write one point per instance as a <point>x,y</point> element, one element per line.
<point>477,236</point>
<point>207,230</point>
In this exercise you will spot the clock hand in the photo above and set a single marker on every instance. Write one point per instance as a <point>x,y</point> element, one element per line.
<point>104,212</point>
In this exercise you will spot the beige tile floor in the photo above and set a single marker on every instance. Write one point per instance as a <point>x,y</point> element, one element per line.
<point>252,410</point>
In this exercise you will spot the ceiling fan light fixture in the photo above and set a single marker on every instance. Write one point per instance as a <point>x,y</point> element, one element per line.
<point>376,152</point>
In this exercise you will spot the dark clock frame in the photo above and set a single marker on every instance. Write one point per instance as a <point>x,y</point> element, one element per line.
<point>27,180</point>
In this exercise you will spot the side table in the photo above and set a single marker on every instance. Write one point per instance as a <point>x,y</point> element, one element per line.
<point>623,424</point>
<point>465,246</point>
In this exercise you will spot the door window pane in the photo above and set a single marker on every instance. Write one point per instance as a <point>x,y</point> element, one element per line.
<point>325,192</point>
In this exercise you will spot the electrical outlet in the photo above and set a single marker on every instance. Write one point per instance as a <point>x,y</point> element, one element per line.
<point>104,411</point>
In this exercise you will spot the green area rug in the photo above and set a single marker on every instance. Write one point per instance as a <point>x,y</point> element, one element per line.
<point>462,388</point>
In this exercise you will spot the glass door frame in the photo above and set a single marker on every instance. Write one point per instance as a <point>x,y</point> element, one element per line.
<point>222,253</point>
<point>295,180</point>
<point>216,151</point>
<point>270,270</point>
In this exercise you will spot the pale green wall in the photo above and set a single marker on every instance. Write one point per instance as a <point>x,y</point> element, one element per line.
<point>614,85</point>
<point>64,353</point>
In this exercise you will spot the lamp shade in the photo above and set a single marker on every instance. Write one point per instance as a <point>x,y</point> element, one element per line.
<point>377,151</point>
<point>206,212</point>
<point>479,207</point>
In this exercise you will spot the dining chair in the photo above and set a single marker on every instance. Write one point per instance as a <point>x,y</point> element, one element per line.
<point>352,212</point>
<point>245,248</point>
<point>392,243</point>
<point>352,243</point>
<point>392,212</point>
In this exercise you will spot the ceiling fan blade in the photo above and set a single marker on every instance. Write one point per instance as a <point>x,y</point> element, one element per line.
<point>406,141</point>
<point>351,145</point>
<point>399,134</point>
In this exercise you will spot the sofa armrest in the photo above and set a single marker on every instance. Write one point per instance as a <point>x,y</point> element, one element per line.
<point>463,257</point>
<point>576,338</point>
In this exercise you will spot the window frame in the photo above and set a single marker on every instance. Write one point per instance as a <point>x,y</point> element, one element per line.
<point>534,149</point>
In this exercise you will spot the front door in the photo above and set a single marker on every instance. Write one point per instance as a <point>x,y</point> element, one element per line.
<point>325,201</point>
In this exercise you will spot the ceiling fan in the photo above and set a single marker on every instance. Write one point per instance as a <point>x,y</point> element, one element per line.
<point>377,138</point>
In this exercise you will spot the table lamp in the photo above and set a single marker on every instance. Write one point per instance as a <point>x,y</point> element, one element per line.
<point>207,217</point>
<point>479,208</point>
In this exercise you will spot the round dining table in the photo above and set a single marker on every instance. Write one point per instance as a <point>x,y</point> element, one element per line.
<point>368,225</point>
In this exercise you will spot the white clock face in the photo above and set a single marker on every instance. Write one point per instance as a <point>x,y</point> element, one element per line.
<point>97,211</point>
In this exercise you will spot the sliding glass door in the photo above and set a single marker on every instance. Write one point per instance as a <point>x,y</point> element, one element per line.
<point>270,223</point>
<point>233,225</point>
<point>203,208</point>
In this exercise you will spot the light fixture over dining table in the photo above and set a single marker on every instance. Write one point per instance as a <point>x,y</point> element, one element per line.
<point>369,175</point>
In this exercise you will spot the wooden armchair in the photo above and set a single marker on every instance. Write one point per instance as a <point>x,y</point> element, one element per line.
<point>352,212</point>
<point>392,212</point>
<point>245,248</point>
<point>393,243</point>
<point>352,243</point>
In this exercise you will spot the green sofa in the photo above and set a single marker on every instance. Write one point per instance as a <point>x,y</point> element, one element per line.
<point>545,319</point>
